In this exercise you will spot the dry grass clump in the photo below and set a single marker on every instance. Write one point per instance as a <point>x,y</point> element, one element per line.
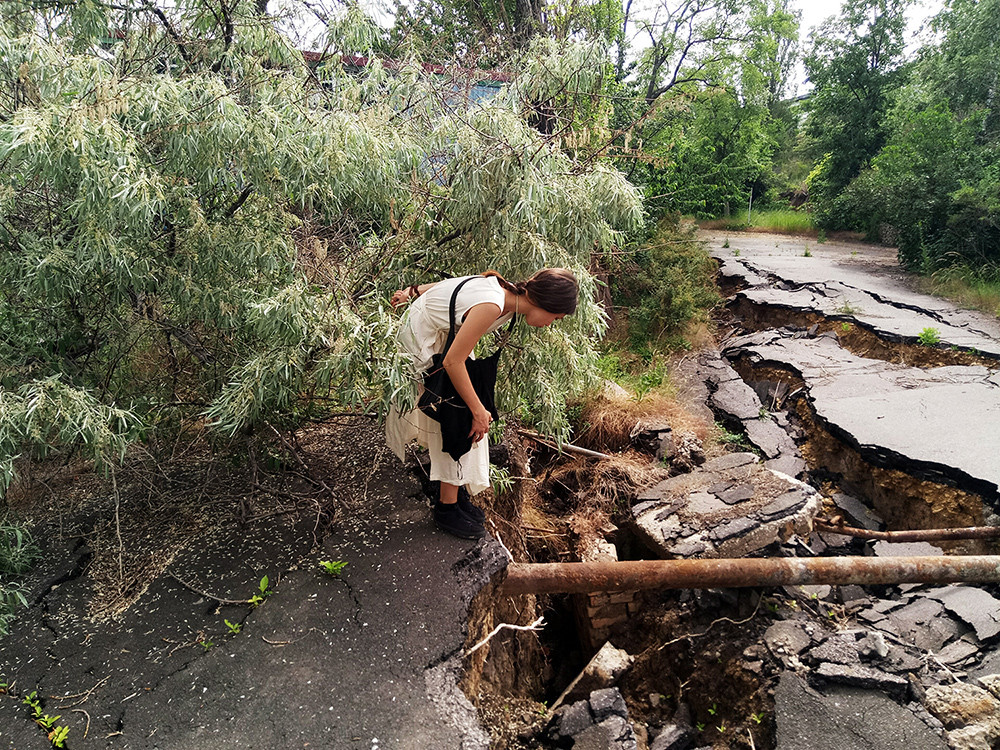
<point>608,485</point>
<point>607,421</point>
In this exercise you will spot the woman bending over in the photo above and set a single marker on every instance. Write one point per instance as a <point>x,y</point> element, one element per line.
<point>483,304</point>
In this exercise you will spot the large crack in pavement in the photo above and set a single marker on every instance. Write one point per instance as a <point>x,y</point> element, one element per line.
<point>939,422</point>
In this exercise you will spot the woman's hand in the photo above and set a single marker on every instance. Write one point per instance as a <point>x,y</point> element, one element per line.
<point>399,297</point>
<point>481,420</point>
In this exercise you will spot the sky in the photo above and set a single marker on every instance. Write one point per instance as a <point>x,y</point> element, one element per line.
<point>814,12</point>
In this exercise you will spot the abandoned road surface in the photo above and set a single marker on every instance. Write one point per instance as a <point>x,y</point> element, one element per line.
<point>903,388</point>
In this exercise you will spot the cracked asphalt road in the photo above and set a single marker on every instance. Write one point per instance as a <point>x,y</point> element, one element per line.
<point>369,659</point>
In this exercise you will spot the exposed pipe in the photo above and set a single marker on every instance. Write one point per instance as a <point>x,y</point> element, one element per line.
<point>916,535</point>
<point>588,577</point>
<point>566,447</point>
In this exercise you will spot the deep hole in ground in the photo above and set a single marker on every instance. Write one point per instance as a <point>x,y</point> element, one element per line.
<point>700,653</point>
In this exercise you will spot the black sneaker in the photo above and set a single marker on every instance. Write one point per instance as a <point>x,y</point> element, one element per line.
<point>472,511</point>
<point>450,518</point>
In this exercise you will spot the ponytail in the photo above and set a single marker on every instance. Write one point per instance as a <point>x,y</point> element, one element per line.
<point>555,290</point>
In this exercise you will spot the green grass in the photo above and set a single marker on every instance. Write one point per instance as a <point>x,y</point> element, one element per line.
<point>779,221</point>
<point>965,287</point>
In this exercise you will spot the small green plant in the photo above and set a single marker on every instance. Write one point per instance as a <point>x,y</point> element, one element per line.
<point>334,567</point>
<point>806,253</point>
<point>58,736</point>
<point>32,702</point>
<point>726,243</point>
<point>848,309</point>
<point>206,644</point>
<point>722,728</point>
<point>736,252</point>
<point>700,726</point>
<point>47,722</point>
<point>929,337</point>
<point>845,327</point>
<point>731,438</point>
<point>648,381</point>
<point>234,627</point>
<point>714,709</point>
<point>757,718</point>
<point>264,590</point>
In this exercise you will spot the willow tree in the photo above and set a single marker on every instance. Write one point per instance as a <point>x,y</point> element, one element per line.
<point>197,225</point>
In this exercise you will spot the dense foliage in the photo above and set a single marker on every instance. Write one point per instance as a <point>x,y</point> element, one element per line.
<point>921,165</point>
<point>198,225</point>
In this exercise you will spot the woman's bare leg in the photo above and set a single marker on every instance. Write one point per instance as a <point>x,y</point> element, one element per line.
<point>449,493</point>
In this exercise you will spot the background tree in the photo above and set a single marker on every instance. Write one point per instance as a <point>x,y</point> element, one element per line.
<point>934,189</point>
<point>855,64</point>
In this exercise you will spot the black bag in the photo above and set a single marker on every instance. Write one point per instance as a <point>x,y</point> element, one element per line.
<point>441,402</point>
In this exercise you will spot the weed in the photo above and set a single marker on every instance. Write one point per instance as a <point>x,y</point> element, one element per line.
<point>234,627</point>
<point>264,590</point>
<point>929,337</point>
<point>847,308</point>
<point>763,413</point>
<point>700,726</point>
<point>721,728</point>
<point>731,438</point>
<point>206,644</point>
<point>845,327</point>
<point>806,253</point>
<point>649,380</point>
<point>736,252</point>
<point>714,709</point>
<point>333,567</point>
<point>726,243</point>
<point>55,734</point>
<point>757,718</point>
<point>58,736</point>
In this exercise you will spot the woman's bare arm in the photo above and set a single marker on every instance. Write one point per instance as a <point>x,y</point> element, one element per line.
<point>478,320</point>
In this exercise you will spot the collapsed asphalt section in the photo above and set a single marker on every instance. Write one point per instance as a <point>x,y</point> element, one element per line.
<point>367,659</point>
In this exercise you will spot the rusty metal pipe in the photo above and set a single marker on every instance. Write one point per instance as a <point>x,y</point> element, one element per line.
<point>913,535</point>
<point>588,577</point>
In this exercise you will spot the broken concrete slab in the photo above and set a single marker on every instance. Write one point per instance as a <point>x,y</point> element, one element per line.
<point>856,675</point>
<point>734,401</point>
<point>597,723</point>
<point>972,605</point>
<point>602,671</point>
<point>857,513</point>
<point>838,649</point>
<point>845,718</point>
<point>957,652</point>
<point>922,623</point>
<point>833,283</point>
<point>730,506</point>
<point>769,438</point>
<point>934,424</point>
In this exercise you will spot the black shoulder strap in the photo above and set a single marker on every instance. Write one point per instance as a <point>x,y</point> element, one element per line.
<point>451,311</point>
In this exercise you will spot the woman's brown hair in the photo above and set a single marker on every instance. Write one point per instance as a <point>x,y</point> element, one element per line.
<point>555,290</point>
